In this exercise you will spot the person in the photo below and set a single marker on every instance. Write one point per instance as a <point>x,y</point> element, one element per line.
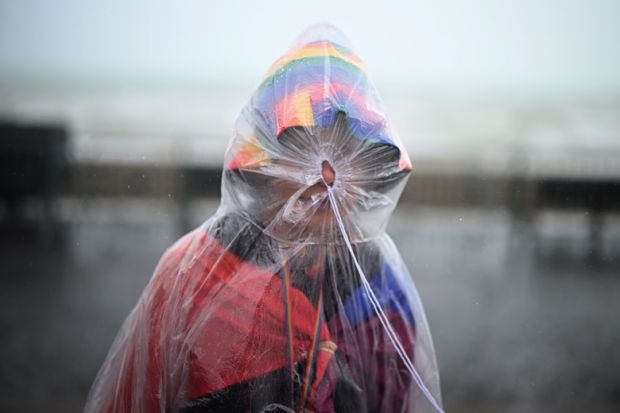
<point>291,298</point>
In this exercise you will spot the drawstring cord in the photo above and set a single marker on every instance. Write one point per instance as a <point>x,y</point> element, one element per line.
<point>286,280</point>
<point>316,344</point>
<point>379,311</point>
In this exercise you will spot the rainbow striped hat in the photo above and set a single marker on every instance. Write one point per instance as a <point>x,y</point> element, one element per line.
<point>306,87</point>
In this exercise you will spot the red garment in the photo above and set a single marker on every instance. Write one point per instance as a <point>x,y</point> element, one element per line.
<point>248,315</point>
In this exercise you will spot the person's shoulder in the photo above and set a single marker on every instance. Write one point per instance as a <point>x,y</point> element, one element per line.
<point>226,228</point>
<point>240,236</point>
<point>173,257</point>
<point>220,228</point>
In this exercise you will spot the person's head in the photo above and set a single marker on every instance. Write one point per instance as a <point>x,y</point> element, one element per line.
<point>289,194</point>
<point>314,141</point>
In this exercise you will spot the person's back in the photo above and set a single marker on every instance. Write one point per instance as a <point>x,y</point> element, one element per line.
<point>292,297</point>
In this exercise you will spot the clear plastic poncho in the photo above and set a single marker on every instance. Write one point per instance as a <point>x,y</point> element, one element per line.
<point>291,298</point>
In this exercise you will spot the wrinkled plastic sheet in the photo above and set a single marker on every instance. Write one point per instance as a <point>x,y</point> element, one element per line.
<point>292,297</point>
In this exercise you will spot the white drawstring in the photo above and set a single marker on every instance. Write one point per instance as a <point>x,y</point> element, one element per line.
<point>380,313</point>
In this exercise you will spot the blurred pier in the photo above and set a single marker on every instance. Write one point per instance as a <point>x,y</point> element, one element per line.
<point>524,159</point>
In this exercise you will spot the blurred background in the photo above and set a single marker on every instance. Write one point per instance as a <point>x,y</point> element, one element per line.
<point>115,115</point>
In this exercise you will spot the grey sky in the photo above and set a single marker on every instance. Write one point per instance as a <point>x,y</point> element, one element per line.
<point>544,46</point>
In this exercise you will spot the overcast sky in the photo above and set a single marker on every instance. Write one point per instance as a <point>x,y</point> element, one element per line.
<point>541,46</point>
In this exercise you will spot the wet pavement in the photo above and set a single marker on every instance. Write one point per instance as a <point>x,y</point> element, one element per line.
<point>520,324</point>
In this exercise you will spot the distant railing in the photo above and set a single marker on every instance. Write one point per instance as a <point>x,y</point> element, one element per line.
<point>34,164</point>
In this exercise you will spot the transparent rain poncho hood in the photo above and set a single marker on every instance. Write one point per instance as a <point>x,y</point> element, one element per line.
<point>291,298</point>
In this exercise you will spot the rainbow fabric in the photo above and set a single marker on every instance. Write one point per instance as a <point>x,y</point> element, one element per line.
<point>307,87</point>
